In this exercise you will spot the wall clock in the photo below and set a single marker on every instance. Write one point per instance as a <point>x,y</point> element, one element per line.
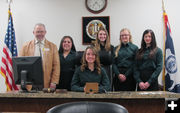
<point>96,6</point>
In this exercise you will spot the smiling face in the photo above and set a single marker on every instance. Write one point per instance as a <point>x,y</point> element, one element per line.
<point>67,44</point>
<point>102,36</point>
<point>147,39</point>
<point>39,32</point>
<point>90,56</point>
<point>124,36</point>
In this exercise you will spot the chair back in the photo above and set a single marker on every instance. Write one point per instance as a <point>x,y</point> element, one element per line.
<point>88,107</point>
<point>106,62</point>
<point>79,55</point>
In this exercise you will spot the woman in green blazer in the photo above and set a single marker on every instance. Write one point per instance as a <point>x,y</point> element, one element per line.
<point>90,71</point>
<point>148,63</point>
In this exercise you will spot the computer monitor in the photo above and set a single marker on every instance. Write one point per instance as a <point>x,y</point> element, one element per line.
<point>28,70</point>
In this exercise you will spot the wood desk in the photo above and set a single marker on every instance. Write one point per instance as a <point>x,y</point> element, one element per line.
<point>135,102</point>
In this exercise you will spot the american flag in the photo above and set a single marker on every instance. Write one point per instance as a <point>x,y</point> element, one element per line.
<point>9,50</point>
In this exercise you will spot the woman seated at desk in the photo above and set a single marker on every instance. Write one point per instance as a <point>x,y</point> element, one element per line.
<point>90,71</point>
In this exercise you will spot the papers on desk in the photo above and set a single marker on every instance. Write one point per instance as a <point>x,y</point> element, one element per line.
<point>150,93</point>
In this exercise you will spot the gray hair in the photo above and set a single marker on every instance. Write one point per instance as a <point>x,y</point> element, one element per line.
<point>40,24</point>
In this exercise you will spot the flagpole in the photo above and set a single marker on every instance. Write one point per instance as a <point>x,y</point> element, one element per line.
<point>9,4</point>
<point>164,37</point>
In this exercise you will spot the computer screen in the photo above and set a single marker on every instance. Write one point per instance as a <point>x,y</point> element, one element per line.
<point>28,70</point>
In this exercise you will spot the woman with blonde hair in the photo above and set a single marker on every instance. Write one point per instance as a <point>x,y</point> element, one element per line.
<point>90,71</point>
<point>105,50</point>
<point>123,63</point>
<point>102,41</point>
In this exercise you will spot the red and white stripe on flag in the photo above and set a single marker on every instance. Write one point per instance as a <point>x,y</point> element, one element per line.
<point>6,69</point>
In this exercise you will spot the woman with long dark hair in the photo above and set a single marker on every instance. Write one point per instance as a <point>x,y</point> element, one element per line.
<point>67,55</point>
<point>148,63</point>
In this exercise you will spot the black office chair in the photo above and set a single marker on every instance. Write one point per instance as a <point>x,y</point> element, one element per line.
<point>88,107</point>
<point>106,62</point>
<point>79,55</point>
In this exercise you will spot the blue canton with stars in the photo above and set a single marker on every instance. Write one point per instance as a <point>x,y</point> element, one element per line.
<point>10,40</point>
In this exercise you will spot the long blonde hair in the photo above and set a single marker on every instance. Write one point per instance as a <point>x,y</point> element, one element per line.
<point>96,43</point>
<point>119,46</point>
<point>96,63</point>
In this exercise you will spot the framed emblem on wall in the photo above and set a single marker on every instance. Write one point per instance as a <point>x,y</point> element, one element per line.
<point>91,25</point>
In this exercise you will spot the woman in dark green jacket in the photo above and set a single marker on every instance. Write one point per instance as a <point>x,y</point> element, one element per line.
<point>67,55</point>
<point>90,71</point>
<point>123,63</point>
<point>105,50</point>
<point>148,63</point>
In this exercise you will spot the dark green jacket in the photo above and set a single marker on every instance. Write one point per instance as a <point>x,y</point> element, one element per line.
<point>147,63</point>
<point>67,67</point>
<point>125,59</point>
<point>68,63</point>
<point>81,77</point>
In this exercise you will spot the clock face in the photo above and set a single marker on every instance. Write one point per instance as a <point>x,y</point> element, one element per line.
<point>96,6</point>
